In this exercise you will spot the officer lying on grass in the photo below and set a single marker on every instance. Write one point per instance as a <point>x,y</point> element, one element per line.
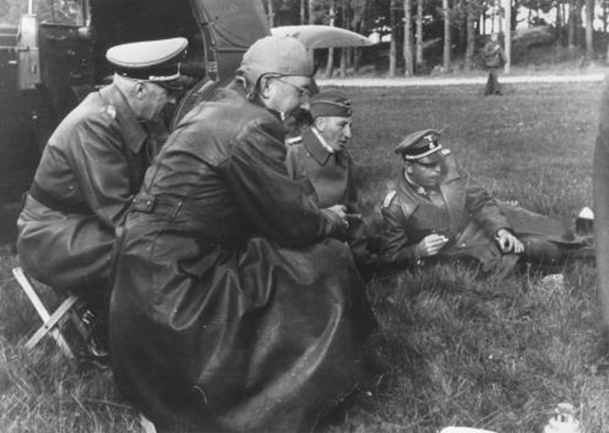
<point>439,212</point>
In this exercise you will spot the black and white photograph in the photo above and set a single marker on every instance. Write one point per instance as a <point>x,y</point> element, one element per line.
<point>304,216</point>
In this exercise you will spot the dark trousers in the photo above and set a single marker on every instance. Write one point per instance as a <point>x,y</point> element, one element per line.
<point>492,84</point>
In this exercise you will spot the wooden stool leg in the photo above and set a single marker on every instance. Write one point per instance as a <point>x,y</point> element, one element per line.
<point>49,321</point>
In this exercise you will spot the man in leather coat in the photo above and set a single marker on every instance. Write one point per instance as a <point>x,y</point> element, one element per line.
<point>233,308</point>
<point>92,167</point>
<point>440,212</point>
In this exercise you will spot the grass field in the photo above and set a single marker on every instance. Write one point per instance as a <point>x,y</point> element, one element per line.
<point>453,347</point>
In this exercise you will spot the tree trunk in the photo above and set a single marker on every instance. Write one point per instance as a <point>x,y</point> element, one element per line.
<point>507,40</point>
<point>311,11</point>
<point>589,29</point>
<point>572,23</point>
<point>302,12</point>
<point>559,20</point>
<point>470,37</point>
<point>330,63</point>
<point>344,57</point>
<point>604,16</point>
<point>447,38</point>
<point>419,36</point>
<point>392,44</point>
<point>271,14</point>
<point>356,26</point>
<point>407,48</point>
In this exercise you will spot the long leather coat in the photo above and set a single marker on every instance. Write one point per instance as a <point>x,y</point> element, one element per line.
<point>90,170</point>
<point>468,216</point>
<point>231,309</point>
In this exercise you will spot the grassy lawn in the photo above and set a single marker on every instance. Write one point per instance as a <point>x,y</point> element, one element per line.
<point>453,347</point>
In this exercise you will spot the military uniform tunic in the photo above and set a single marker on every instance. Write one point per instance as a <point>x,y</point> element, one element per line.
<point>462,210</point>
<point>330,173</point>
<point>90,170</point>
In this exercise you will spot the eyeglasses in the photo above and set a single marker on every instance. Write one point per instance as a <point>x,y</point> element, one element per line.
<point>302,91</point>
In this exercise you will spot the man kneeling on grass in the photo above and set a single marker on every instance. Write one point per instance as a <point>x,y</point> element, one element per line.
<point>439,212</point>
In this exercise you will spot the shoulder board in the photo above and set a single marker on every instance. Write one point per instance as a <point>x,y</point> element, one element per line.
<point>293,140</point>
<point>389,198</point>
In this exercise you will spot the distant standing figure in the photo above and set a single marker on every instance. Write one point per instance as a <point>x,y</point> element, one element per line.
<point>440,212</point>
<point>494,58</point>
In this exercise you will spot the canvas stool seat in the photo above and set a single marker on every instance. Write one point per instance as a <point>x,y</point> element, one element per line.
<point>54,323</point>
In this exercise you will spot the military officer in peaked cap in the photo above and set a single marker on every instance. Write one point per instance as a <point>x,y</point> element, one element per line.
<point>439,211</point>
<point>92,167</point>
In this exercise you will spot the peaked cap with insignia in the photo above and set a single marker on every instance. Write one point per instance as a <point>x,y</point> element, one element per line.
<point>419,145</point>
<point>156,61</point>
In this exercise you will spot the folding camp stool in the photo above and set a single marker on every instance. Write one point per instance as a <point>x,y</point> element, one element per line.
<point>52,323</point>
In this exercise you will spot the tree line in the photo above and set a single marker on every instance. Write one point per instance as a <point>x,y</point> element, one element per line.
<point>459,26</point>
<point>447,30</point>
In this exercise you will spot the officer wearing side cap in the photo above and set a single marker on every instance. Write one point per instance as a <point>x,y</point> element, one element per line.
<point>320,154</point>
<point>92,167</point>
<point>439,211</point>
<point>253,315</point>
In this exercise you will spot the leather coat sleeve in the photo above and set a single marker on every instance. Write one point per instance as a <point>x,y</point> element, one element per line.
<point>395,247</point>
<point>102,171</point>
<point>482,207</point>
<point>601,205</point>
<point>276,205</point>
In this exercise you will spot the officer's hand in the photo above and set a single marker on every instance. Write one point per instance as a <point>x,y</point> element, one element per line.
<point>430,245</point>
<point>508,243</point>
<point>341,211</point>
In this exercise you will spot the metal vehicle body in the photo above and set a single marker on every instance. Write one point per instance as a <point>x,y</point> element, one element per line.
<point>56,56</point>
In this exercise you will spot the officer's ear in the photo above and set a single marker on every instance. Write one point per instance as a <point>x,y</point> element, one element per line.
<point>408,167</point>
<point>264,86</point>
<point>320,124</point>
<point>139,89</point>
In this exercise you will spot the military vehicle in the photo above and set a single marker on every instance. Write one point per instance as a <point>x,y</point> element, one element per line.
<point>56,55</point>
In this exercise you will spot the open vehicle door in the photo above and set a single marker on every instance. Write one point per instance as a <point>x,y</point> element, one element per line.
<point>56,57</point>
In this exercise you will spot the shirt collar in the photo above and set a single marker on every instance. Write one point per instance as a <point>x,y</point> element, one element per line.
<point>322,140</point>
<point>314,146</point>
